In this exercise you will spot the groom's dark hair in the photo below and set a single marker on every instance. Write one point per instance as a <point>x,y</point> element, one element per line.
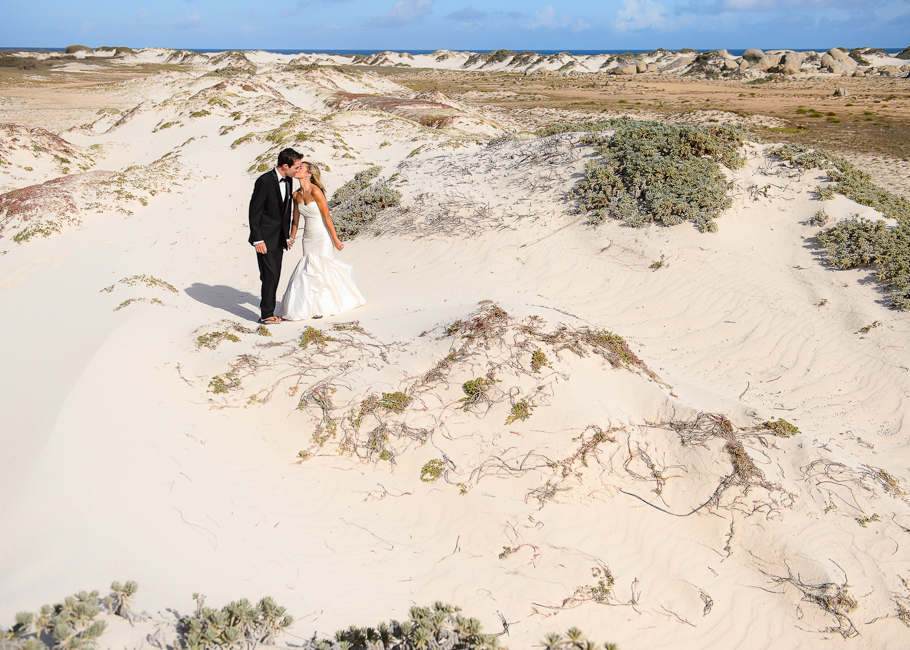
<point>288,157</point>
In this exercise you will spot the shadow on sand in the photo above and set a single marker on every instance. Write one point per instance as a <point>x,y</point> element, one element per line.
<point>228,299</point>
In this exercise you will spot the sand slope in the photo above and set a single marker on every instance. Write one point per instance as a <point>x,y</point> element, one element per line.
<point>642,500</point>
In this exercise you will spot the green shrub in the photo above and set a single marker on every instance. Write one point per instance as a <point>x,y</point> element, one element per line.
<point>359,211</point>
<point>853,183</point>
<point>660,172</point>
<point>853,243</point>
<point>862,242</point>
<point>439,626</point>
<point>356,185</point>
<point>236,625</point>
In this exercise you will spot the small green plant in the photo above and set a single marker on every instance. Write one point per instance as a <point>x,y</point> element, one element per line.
<point>212,339</point>
<point>224,383</point>
<point>865,521</point>
<point>538,360</point>
<point>820,218</point>
<point>263,331</point>
<point>520,411</point>
<point>313,335</point>
<point>119,599</point>
<point>781,428</point>
<point>395,402</point>
<point>475,391</point>
<point>824,192</point>
<point>869,328</point>
<point>431,471</point>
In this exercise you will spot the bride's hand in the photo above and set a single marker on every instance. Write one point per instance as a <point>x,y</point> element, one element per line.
<point>339,244</point>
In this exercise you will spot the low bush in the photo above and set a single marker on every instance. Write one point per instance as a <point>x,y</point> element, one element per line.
<point>862,242</point>
<point>853,183</point>
<point>356,185</point>
<point>237,625</point>
<point>660,172</point>
<point>439,626</point>
<point>362,207</point>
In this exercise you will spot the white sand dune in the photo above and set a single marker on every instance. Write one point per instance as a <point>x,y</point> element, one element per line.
<point>120,462</point>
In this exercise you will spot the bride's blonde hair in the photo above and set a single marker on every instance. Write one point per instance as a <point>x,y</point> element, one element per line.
<point>315,175</point>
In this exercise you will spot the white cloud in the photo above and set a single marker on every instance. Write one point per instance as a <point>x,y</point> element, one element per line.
<point>548,18</point>
<point>640,14</point>
<point>405,12</point>
<point>190,20</point>
<point>468,18</point>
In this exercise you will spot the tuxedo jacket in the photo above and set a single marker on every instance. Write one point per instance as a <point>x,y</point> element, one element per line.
<point>270,217</point>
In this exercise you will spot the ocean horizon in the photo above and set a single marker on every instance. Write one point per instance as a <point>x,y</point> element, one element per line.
<point>348,52</point>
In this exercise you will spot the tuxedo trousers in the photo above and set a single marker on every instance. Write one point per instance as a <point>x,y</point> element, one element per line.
<point>269,274</point>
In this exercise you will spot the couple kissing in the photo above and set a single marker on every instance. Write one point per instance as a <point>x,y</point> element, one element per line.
<point>320,285</point>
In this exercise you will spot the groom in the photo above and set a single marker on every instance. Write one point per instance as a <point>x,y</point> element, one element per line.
<point>270,223</point>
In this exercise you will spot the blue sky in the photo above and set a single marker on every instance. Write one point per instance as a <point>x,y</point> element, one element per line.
<point>329,25</point>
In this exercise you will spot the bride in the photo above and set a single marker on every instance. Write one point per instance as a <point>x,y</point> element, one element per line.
<point>320,285</point>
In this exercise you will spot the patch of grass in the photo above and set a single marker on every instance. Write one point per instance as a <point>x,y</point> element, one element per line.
<point>313,335</point>
<point>212,339</point>
<point>431,471</point>
<point>149,281</point>
<point>781,428</point>
<point>224,383</point>
<point>37,229</point>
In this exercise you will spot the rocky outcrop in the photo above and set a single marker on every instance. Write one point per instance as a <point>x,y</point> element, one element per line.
<point>753,56</point>
<point>832,64</point>
<point>767,62</point>
<point>791,63</point>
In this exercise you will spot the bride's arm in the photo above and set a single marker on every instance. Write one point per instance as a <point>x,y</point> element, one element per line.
<point>326,219</point>
<point>296,221</point>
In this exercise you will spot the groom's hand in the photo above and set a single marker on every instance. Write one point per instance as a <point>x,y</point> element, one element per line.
<point>260,248</point>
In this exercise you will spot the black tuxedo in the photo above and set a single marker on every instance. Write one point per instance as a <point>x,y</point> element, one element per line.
<point>270,222</point>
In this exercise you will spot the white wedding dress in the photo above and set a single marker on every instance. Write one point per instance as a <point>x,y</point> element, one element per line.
<point>320,285</point>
